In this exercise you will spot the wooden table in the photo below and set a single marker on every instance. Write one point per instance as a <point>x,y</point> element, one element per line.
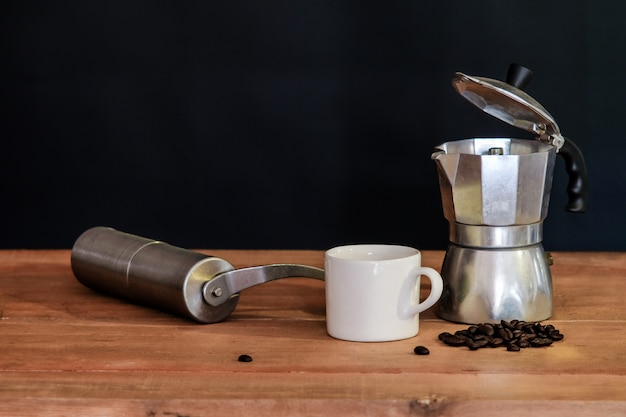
<point>66,350</point>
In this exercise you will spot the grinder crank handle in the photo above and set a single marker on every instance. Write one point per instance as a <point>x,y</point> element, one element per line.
<point>218,290</point>
<point>169,278</point>
<point>577,186</point>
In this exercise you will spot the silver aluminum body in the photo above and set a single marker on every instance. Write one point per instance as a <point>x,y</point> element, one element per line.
<point>495,194</point>
<point>495,273</point>
<point>512,188</point>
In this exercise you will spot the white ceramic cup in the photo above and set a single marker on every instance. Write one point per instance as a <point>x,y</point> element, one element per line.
<point>372,292</point>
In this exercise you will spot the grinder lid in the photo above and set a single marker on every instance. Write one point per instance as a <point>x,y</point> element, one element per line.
<point>509,104</point>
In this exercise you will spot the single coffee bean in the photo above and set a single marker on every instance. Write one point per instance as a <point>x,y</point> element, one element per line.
<point>497,342</point>
<point>466,340</point>
<point>421,350</point>
<point>444,335</point>
<point>505,333</point>
<point>486,329</point>
<point>453,340</point>
<point>541,342</point>
<point>506,325</point>
<point>244,358</point>
<point>478,344</point>
<point>556,336</point>
<point>513,348</point>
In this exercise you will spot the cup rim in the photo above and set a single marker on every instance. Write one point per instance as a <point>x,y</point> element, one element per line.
<point>372,252</point>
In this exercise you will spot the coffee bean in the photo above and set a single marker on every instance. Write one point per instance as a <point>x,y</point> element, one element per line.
<point>513,348</point>
<point>506,325</point>
<point>478,344</point>
<point>556,336</point>
<point>466,339</point>
<point>453,340</point>
<point>421,350</point>
<point>244,358</point>
<point>541,342</point>
<point>443,335</point>
<point>505,333</point>
<point>497,342</point>
<point>486,329</point>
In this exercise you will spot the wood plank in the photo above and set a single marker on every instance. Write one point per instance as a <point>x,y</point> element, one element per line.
<point>292,346</point>
<point>201,385</point>
<point>428,406</point>
<point>584,286</point>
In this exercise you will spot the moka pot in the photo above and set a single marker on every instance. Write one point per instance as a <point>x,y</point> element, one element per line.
<point>495,194</point>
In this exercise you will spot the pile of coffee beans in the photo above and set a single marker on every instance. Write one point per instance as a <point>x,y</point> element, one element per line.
<point>514,335</point>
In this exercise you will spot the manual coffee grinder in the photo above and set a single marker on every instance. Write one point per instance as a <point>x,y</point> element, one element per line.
<point>495,194</point>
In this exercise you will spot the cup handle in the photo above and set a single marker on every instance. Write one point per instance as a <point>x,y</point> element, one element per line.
<point>436,288</point>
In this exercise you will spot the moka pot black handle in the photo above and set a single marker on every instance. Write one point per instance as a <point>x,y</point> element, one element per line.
<point>578,184</point>
<point>520,76</point>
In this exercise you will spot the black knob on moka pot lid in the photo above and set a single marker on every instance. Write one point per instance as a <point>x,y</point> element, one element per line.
<point>507,102</point>
<point>519,76</point>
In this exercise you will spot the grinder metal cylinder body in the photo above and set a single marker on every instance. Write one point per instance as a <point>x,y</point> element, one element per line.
<point>149,272</point>
<point>155,274</point>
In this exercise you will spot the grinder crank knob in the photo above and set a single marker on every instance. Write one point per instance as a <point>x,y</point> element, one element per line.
<point>153,273</point>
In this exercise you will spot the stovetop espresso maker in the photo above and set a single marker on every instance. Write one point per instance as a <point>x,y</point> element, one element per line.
<point>495,194</point>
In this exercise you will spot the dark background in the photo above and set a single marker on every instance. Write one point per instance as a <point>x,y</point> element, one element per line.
<point>288,124</point>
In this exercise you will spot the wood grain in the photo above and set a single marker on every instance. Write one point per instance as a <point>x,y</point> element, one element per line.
<point>66,350</point>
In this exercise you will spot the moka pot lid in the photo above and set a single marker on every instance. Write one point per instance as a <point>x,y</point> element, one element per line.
<point>509,104</point>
